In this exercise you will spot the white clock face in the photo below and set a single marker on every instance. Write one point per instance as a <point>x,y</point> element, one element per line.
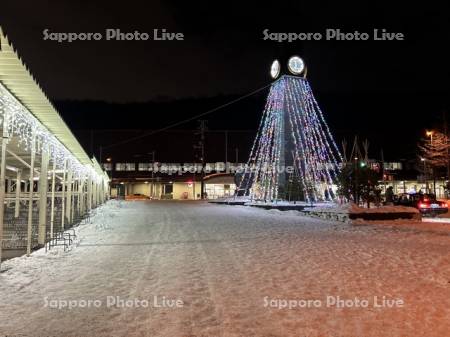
<point>296,65</point>
<point>275,69</point>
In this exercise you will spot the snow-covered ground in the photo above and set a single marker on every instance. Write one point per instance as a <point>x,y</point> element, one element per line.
<point>233,271</point>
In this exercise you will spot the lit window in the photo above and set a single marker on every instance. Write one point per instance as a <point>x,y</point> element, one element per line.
<point>130,166</point>
<point>125,166</point>
<point>144,166</point>
<point>393,166</point>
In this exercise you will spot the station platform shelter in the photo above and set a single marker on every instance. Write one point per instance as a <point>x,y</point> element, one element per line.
<point>47,181</point>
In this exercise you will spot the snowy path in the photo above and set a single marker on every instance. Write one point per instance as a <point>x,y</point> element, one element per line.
<point>223,263</point>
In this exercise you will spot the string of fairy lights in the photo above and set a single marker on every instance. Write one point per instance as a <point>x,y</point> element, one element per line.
<point>292,131</point>
<point>30,133</point>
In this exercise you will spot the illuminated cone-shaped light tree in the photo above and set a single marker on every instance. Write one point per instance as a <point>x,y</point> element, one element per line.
<point>294,147</point>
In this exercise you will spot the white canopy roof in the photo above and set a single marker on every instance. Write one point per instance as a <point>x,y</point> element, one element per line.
<point>15,76</point>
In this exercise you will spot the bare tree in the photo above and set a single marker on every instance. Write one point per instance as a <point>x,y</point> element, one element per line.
<point>435,150</point>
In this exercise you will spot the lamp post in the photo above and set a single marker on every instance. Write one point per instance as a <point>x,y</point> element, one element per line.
<point>356,194</point>
<point>425,173</point>
<point>430,134</point>
<point>152,193</point>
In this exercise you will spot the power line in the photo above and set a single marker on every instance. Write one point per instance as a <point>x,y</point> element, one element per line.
<point>186,120</point>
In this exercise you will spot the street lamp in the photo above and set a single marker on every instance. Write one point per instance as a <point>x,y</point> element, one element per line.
<point>355,184</point>
<point>425,173</point>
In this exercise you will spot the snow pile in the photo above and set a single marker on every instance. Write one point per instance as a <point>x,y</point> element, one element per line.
<point>346,212</point>
<point>233,198</point>
<point>331,208</point>
<point>352,208</point>
<point>383,209</point>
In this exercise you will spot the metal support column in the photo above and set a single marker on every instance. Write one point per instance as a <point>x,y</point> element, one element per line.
<point>89,194</point>
<point>80,196</point>
<point>69,197</point>
<point>30,196</point>
<point>18,191</point>
<point>4,141</point>
<point>72,203</point>
<point>94,194</point>
<point>43,189</point>
<point>52,202</point>
<point>63,195</point>
<point>9,189</point>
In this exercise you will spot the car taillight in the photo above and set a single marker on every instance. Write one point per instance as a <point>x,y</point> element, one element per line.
<point>423,205</point>
<point>445,205</point>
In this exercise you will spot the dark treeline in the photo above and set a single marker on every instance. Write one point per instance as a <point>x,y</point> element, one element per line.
<point>362,114</point>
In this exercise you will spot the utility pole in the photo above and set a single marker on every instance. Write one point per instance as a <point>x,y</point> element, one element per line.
<point>226,147</point>
<point>153,175</point>
<point>201,147</point>
<point>202,140</point>
<point>383,171</point>
<point>356,194</point>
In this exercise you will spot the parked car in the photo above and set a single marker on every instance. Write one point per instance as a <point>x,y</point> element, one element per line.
<point>425,203</point>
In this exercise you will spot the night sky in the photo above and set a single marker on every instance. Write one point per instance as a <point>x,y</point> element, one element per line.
<point>387,91</point>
